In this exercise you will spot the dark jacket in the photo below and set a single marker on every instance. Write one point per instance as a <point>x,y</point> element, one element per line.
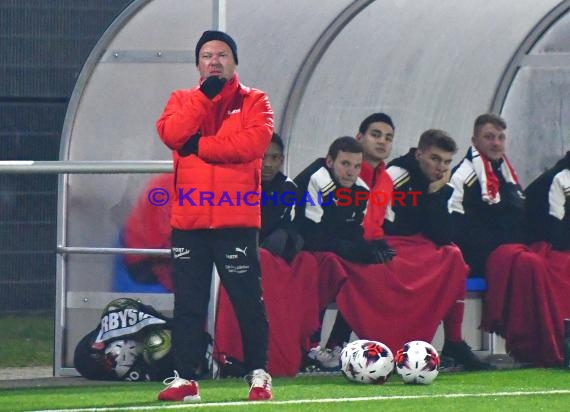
<point>277,204</point>
<point>413,210</point>
<point>548,205</point>
<point>279,235</point>
<point>481,227</point>
<point>329,217</point>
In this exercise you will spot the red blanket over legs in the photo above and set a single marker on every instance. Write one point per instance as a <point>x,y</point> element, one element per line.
<point>527,300</point>
<point>401,301</point>
<point>395,303</point>
<point>290,295</point>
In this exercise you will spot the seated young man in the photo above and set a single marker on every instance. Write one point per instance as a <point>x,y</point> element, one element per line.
<point>376,133</point>
<point>425,170</point>
<point>330,219</point>
<point>278,234</point>
<point>548,205</point>
<point>526,298</point>
<point>487,204</point>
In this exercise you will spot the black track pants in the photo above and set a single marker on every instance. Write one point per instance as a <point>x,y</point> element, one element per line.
<point>236,256</point>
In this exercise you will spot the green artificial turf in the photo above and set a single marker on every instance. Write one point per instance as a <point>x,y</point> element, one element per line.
<point>531,389</point>
<point>26,340</point>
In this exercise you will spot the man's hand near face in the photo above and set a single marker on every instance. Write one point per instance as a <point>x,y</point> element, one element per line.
<point>438,184</point>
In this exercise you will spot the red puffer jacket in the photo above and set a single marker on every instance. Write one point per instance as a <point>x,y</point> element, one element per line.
<point>218,188</point>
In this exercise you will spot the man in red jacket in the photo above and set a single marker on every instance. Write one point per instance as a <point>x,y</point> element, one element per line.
<point>218,132</point>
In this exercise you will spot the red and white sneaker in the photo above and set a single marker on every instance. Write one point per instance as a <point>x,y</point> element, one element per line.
<point>179,390</point>
<point>260,389</point>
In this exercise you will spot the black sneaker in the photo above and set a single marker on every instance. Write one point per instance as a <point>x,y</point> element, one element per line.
<point>462,354</point>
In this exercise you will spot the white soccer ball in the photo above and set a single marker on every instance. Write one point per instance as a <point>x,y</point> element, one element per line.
<point>367,361</point>
<point>157,345</point>
<point>417,362</point>
<point>347,356</point>
<point>123,354</point>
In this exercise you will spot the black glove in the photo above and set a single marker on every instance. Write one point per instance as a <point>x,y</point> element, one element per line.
<point>212,86</point>
<point>358,251</point>
<point>283,243</point>
<point>294,245</point>
<point>363,251</point>
<point>191,146</point>
<point>275,242</point>
<point>382,252</point>
<point>512,197</point>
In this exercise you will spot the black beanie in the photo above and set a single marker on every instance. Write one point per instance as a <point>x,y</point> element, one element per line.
<point>210,35</point>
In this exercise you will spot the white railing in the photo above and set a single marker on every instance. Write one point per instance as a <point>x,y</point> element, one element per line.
<point>63,301</point>
<point>85,166</point>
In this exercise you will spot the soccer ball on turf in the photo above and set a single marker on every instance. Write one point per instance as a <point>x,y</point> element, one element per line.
<point>347,356</point>
<point>367,361</point>
<point>157,345</point>
<point>122,354</point>
<point>417,362</point>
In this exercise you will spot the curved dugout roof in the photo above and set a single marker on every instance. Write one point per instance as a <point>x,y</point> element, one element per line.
<point>325,65</point>
<point>427,64</point>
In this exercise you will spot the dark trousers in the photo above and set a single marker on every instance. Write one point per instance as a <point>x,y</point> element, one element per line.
<point>340,332</point>
<point>235,253</point>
